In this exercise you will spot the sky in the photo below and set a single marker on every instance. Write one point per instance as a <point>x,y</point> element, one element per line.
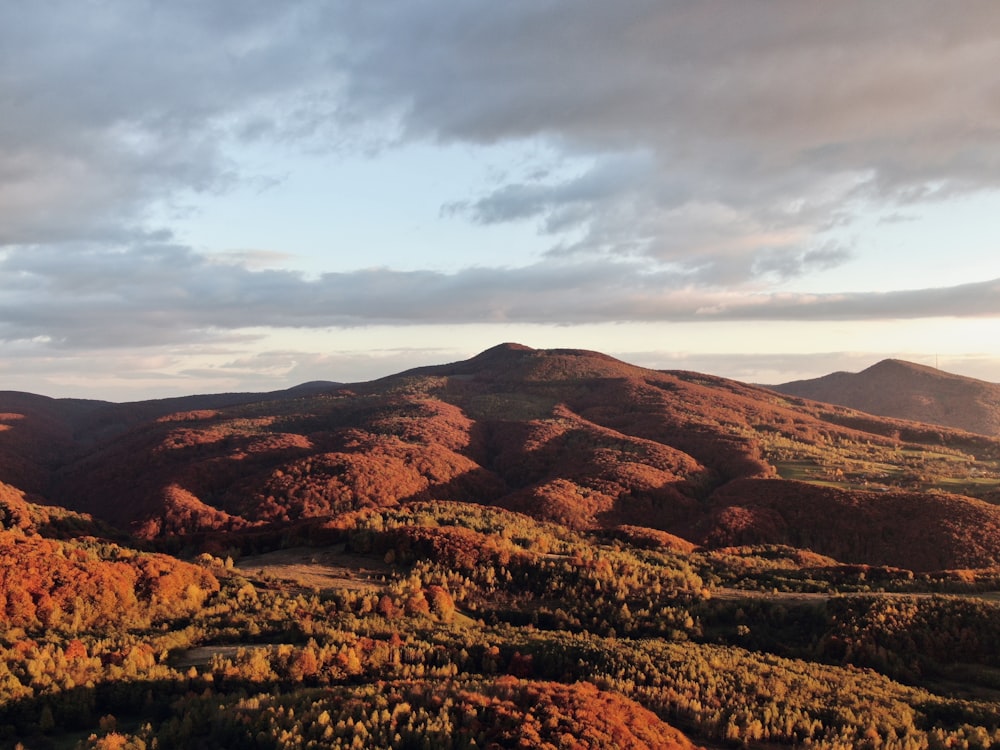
<point>243,195</point>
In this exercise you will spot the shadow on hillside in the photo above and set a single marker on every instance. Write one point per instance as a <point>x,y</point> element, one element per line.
<point>128,484</point>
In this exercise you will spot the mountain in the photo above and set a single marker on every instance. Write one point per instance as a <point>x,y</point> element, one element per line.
<point>39,434</point>
<point>569,436</point>
<point>528,548</point>
<point>894,388</point>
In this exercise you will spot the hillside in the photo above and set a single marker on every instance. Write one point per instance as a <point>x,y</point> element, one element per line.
<point>529,548</point>
<point>894,388</point>
<point>38,434</point>
<point>569,436</point>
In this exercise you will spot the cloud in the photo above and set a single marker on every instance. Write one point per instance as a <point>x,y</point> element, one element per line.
<point>712,131</point>
<point>163,294</point>
<point>251,259</point>
<point>113,107</point>
<point>719,135</point>
<point>725,85</point>
<point>695,153</point>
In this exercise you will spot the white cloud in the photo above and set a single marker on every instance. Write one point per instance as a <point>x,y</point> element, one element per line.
<point>111,107</point>
<point>773,116</point>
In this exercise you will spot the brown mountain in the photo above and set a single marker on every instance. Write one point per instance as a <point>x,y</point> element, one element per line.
<point>894,388</point>
<point>38,434</point>
<point>570,436</point>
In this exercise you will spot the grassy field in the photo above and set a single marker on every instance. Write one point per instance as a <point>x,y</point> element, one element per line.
<point>318,569</point>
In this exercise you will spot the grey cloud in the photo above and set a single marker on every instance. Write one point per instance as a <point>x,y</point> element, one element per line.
<point>115,106</point>
<point>777,113</point>
<point>716,142</point>
<point>786,264</point>
<point>609,177</point>
<point>166,294</point>
<point>978,299</point>
<point>752,108</point>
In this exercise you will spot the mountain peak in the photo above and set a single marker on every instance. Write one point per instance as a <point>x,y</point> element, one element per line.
<point>509,346</point>
<point>511,360</point>
<point>899,366</point>
<point>907,390</point>
<point>508,350</point>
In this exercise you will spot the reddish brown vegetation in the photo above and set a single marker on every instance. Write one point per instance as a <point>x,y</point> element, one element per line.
<point>640,536</point>
<point>14,510</point>
<point>35,434</point>
<point>514,713</point>
<point>61,585</point>
<point>183,513</point>
<point>893,388</point>
<point>531,714</point>
<point>454,546</point>
<point>570,436</point>
<point>912,530</point>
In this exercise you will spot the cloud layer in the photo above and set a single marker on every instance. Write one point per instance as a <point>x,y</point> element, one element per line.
<point>165,294</point>
<point>698,154</point>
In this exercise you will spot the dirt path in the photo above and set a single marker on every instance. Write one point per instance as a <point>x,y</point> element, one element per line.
<point>321,569</point>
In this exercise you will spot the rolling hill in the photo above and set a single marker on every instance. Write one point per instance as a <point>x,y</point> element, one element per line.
<point>528,548</point>
<point>569,436</point>
<point>894,388</point>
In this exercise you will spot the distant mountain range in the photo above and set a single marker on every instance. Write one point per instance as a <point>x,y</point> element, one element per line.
<point>570,436</point>
<point>894,388</point>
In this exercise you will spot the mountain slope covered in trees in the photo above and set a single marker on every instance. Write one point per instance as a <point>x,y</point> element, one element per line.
<point>894,388</point>
<point>528,548</point>
<point>568,436</point>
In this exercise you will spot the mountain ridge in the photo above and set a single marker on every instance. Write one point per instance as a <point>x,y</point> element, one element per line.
<point>540,548</point>
<point>565,435</point>
<point>906,390</point>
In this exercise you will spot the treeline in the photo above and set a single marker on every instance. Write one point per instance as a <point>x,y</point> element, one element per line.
<point>909,637</point>
<point>529,571</point>
<point>784,569</point>
<point>722,694</point>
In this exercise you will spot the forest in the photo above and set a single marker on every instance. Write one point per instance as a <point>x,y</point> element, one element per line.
<point>488,628</point>
<point>524,550</point>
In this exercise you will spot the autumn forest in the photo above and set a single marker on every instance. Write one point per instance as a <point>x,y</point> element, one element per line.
<point>527,549</point>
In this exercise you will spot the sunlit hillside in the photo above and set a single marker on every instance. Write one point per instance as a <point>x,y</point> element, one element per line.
<point>893,388</point>
<point>530,548</point>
